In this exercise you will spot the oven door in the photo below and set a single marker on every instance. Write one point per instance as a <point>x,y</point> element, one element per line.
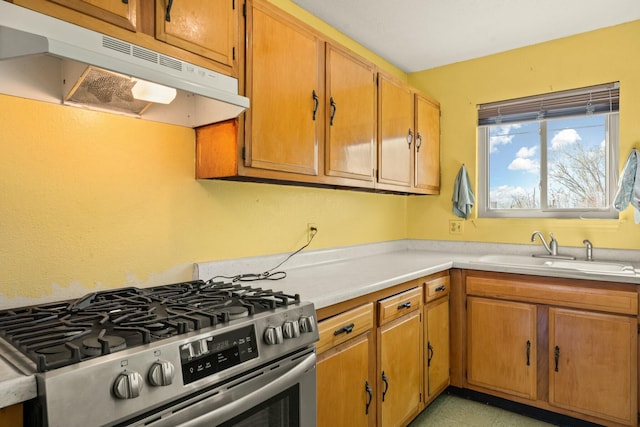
<point>281,394</point>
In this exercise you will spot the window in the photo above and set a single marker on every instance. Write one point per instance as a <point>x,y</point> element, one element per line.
<point>552,155</point>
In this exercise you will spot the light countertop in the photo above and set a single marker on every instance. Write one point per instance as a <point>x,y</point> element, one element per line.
<point>330,276</point>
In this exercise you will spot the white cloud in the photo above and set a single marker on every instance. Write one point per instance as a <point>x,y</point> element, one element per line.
<point>524,160</point>
<point>522,164</point>
<point>564,137</point>
<point>526,152</point>
<point>500,135</point>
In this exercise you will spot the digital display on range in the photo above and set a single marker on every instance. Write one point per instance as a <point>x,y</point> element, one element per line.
<point>207,356</point>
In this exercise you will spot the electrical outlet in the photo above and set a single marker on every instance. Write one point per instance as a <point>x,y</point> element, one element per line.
<point>312,229</point>
<point>456,226</point>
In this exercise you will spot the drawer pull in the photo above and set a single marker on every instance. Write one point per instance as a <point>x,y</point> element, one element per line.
<point>441,288</point>
<point>345,329</point>
<point>404,305</point>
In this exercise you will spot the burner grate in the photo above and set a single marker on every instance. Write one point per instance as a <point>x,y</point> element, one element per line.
<point>60,334</point>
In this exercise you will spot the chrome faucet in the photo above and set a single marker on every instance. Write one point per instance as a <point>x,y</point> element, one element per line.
<point>589,249</point>
<point>552,247</point>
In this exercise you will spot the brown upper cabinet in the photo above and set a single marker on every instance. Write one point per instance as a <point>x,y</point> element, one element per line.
<point>203,32</point>
<point>120,13</point>
<point>321,115</point>
<point>408,138</point>
<point>284,124</point>
<point>351,116</point>
<point>205,27</point>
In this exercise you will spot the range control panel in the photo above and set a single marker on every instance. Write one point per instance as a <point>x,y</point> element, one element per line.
<point>207,356</point>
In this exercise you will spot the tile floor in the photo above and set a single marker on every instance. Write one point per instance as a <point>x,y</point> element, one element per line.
<point>453,411</point>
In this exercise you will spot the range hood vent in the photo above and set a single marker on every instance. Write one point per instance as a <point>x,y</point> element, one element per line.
<point>50,60</point>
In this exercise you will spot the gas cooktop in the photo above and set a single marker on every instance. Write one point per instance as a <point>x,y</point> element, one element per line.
<point>63,333</point>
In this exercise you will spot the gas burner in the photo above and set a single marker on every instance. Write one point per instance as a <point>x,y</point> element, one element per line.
<point>63,333</point>
<point>103,344</point>
<point>236,312</point>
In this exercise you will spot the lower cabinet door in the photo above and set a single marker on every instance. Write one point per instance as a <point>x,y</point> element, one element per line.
<point>501,346</point>
<point>436,347</point>
<point>591,363</point>
<point>399,381</point>
<point>344,391</point>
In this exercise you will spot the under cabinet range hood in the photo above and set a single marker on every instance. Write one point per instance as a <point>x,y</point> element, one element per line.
<point>50,60</point>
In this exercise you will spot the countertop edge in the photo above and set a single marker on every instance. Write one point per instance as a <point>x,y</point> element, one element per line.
<point>354,271</point>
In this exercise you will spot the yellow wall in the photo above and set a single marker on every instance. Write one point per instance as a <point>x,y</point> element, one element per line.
<point>92,200</point>
<point>606,55</point>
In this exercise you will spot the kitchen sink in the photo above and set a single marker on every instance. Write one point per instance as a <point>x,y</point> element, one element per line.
<point>588,267</point>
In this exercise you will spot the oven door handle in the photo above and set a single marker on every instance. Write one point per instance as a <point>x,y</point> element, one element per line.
<point>238,406</point>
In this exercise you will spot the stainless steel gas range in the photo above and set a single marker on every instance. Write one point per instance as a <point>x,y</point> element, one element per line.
<point>185,354</point>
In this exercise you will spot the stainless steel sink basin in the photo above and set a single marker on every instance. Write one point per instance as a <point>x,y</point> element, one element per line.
<point>588,267</point>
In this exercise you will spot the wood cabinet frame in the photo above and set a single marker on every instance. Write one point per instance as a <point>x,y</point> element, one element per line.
<point>608,299</point>
<point>388,318</point>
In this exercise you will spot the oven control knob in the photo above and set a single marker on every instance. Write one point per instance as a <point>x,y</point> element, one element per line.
<point>161,373</point>
<point>128,385</point>
<point>307,324</point>
<point>291,329</point>
<point>273,335</point>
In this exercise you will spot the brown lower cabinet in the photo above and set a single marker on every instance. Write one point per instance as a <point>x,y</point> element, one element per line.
<point>399,357</point>
<point>563,345</point>
<point>11,416</point>
<point>374,363</point>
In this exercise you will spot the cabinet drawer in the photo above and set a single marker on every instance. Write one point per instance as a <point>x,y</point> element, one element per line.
<point>341,327</point>
<point>568,293</point>
<point>399,305</point>
<point>436,288</point>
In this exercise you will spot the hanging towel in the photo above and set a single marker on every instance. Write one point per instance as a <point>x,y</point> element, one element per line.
<point>629,186</point>
<point>463,197</point>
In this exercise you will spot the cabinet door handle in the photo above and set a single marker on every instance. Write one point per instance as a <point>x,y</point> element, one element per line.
<point>125,1</point>
<point>367,388</point>
<point>316,104</point>
<point>334,108</point>
<point>167,15</point>
<point>386,385</point>
<point>409,137</point>
<point>528,353</point>
<point>418,141</point>
<point>430,352</point>
<point>556,357</point>
<point>345,329</point>
<point>404,305</point>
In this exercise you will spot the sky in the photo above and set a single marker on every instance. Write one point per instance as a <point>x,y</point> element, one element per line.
<point>515,152</point>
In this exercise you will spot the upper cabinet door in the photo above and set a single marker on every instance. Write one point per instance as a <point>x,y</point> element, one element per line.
<point>396,136</point>
<point>351,116</point>
<point>427,145</point>
<point>120,13</point>
<point>205,27</point>
<point>284,73</point>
